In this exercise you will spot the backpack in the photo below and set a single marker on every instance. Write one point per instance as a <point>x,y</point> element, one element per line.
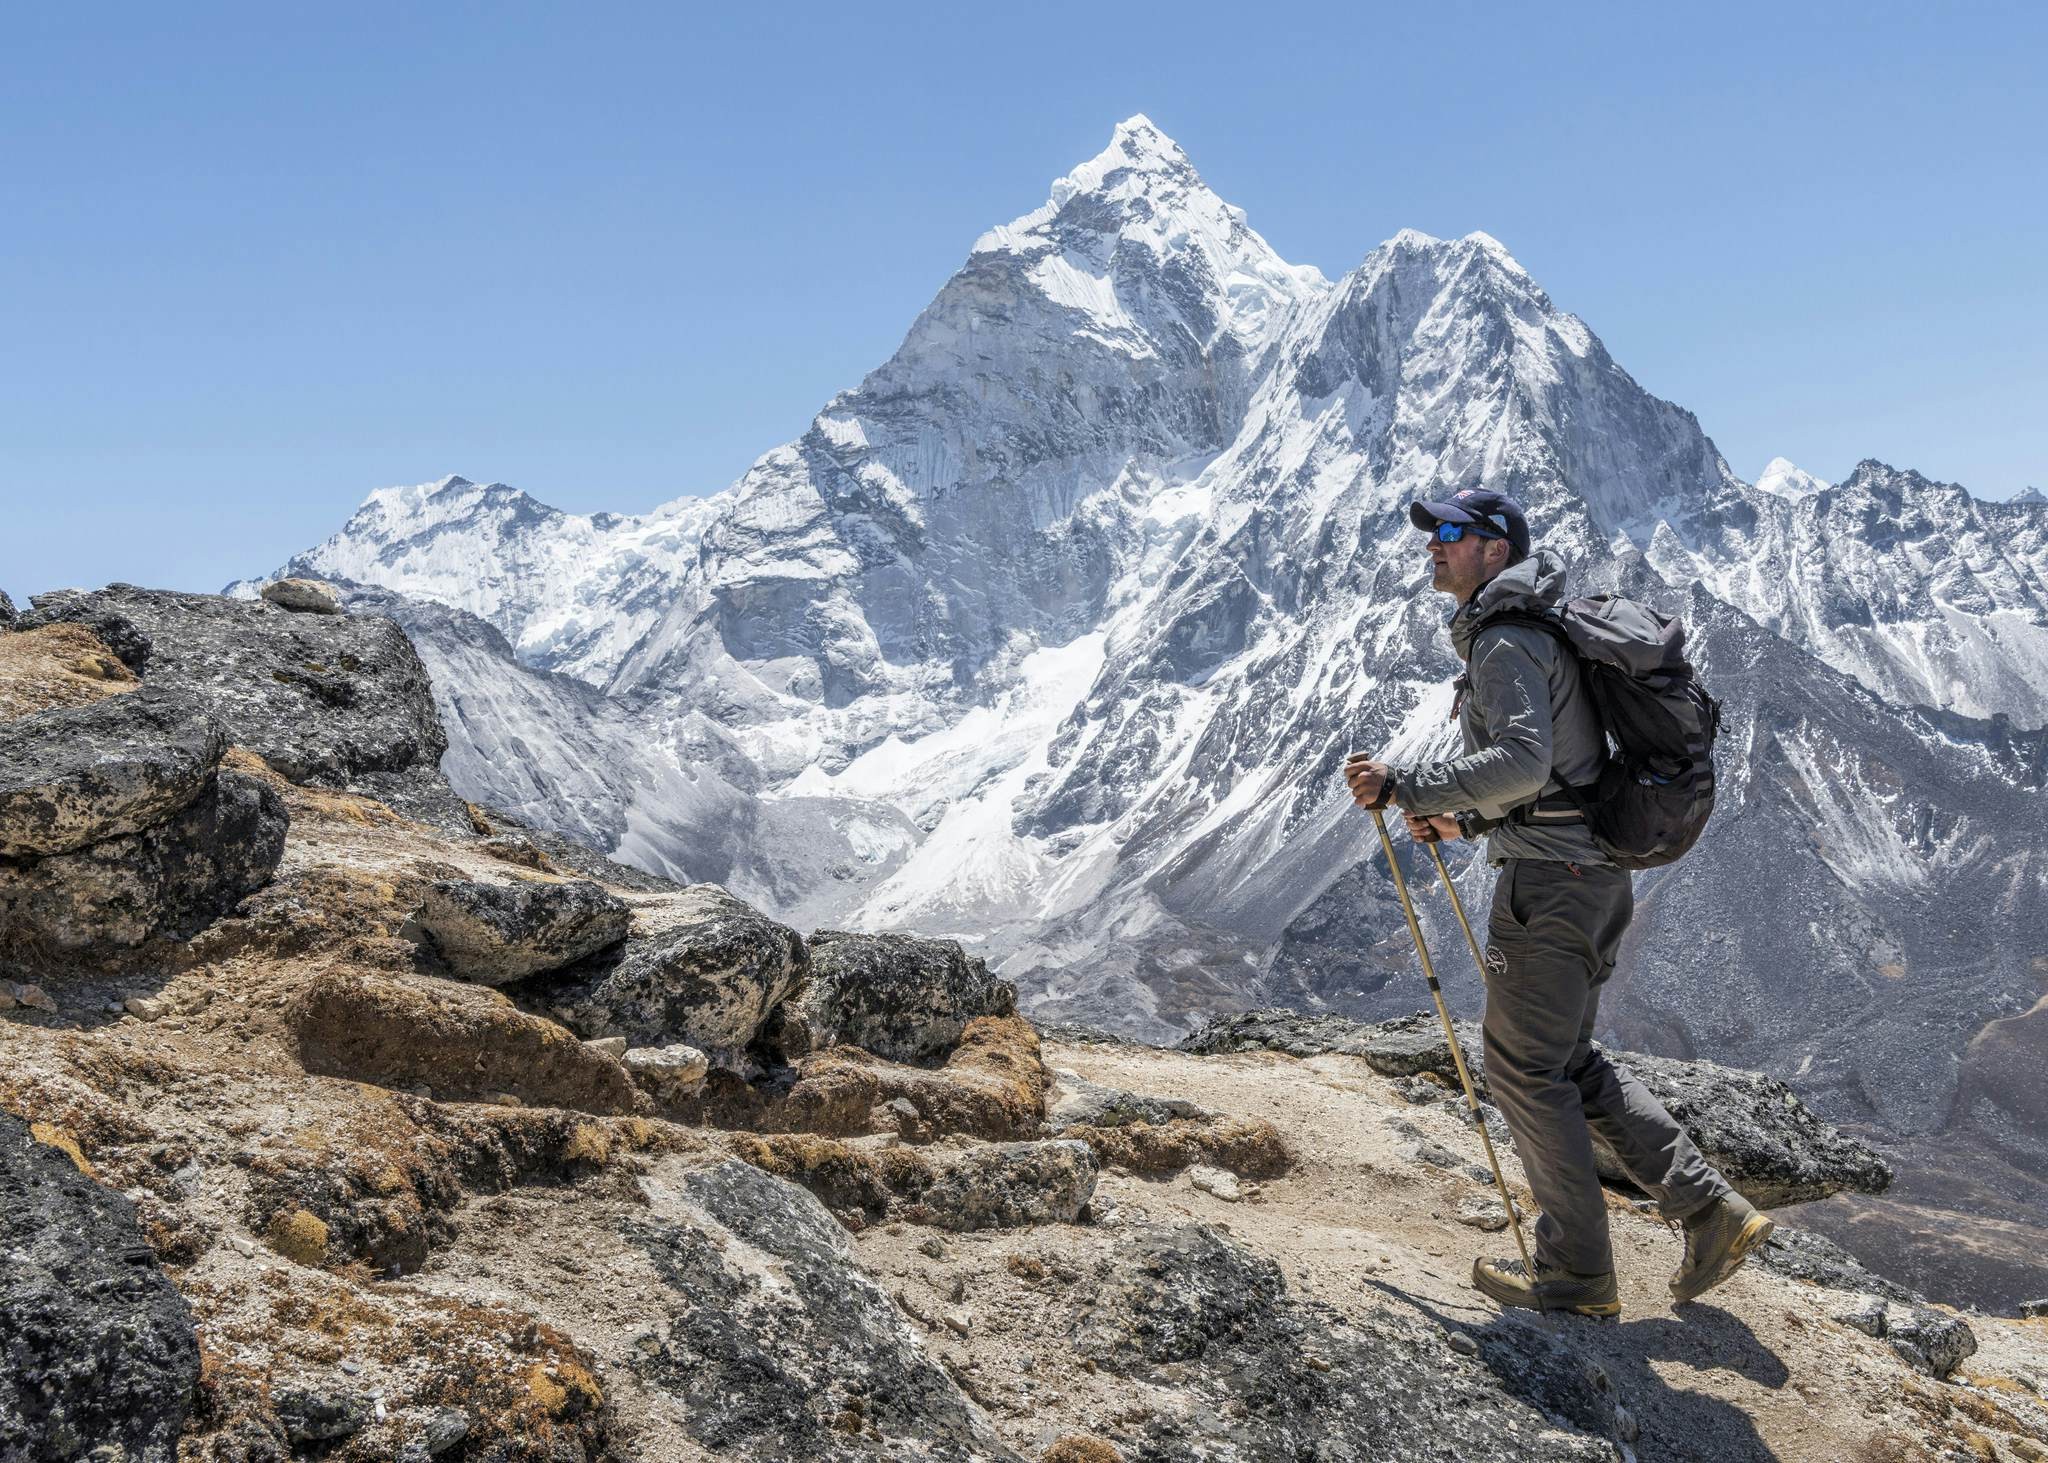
<point>1656,792</point>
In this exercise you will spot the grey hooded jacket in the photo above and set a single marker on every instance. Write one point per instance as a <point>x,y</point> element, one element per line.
<point>1529,725</point>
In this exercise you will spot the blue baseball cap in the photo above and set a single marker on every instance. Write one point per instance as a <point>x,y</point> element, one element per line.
<point>1485,510</point>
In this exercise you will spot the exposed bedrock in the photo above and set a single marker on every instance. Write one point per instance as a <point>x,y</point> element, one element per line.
<point>169,880</point>
<point>775,1341</point>
<point>101,1356</point>
<point>333,700</point>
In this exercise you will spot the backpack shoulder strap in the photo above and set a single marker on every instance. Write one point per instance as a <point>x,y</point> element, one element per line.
<point>1549,624</point>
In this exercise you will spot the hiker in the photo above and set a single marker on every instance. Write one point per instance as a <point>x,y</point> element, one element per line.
<point>1560,908</point>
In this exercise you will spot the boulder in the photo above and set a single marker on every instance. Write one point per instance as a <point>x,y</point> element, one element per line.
<point>770,1340</point>
<point>1006,1185</point>
<point>7,615</point>
<point>77,775</point>
<point>101,1356</point>
<point>463,1043</point>
<point>1753,1128</point>
<point>1929,1340</point>
<point>169,881</point>
<point>706,970</point>
<point>333,700</point>
<point>899,996</point>
<point>303,596</point>
<point>495,933</point>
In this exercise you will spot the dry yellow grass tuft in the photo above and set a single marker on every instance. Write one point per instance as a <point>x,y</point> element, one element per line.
<point>57,665</point>
<point>52,1136</point>
<point>298,1236</point>
<point>1081,1448</point>
<point>587,1144</point>
<point>570,1389</point>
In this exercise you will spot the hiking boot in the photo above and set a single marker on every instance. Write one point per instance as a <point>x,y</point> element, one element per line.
<point>1717,1240</point>
<point>1553,1289</point>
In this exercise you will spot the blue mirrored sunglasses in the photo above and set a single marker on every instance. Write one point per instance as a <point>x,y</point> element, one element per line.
<point>1450,533</point>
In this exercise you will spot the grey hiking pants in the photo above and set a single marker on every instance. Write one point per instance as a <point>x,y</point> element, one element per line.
<point>1552,936</point>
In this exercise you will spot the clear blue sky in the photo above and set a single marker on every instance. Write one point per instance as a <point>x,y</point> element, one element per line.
<point>258,260</point>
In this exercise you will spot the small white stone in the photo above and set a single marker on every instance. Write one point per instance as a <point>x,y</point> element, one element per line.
<point>611,1046</point>
<point>148,1008</point>
<point>1220,1182</point>
<point>673,1067</point>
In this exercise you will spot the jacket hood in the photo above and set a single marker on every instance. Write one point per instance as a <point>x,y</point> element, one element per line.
<point>1536,584</point>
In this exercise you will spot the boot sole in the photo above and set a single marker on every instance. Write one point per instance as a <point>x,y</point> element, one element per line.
<point>1754,1234</point>
<point>1598,1310</point>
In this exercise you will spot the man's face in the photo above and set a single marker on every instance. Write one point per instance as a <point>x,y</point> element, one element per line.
<point>1459,569</point>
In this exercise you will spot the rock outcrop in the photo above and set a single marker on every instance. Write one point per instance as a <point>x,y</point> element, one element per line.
<point>1753,1128</point>
<point>497,933</point>
<point>898,996</point>
<point>119,825</point>
<point>705,970</point>
<point>1932,1341</point>
<point>333,701</point>
<point>101,1357</point>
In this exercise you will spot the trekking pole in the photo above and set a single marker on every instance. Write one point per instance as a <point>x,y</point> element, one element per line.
<point>1450,1033</point>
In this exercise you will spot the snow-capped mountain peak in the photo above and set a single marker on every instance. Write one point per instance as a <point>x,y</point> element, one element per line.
<point>2032,496</point>
<point>1141,193</point>
<point>1782,478</point>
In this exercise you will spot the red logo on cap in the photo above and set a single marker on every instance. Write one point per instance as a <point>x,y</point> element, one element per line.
<point>1464,493</point>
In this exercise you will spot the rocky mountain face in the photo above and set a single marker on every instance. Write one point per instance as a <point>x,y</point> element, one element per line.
<point>1051,635</point>
<point>432,1136</point>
